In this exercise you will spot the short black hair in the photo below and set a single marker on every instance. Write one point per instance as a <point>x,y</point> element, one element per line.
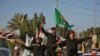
<point>53,28</point>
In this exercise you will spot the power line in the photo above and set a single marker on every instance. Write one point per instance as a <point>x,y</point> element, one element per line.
<point>82,2</point>
<point>77,6</point>
<point>73,12</point>
<point>77,13</point>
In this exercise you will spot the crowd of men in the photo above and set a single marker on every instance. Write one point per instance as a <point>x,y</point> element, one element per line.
<point>54,44</point>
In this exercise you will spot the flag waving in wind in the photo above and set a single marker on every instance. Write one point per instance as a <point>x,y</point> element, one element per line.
<point>58,16</point>
<point>60,19</point>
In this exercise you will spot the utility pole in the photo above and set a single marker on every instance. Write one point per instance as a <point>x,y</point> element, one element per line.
<point>94,19</point>
<point>94,39</point>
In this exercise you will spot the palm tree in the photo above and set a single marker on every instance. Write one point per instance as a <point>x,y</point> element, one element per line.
<point>19,22</point>
<point>42,18</point>
<point>36,21</point>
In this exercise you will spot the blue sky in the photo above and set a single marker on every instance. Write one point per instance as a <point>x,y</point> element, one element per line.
<point>77,12</point>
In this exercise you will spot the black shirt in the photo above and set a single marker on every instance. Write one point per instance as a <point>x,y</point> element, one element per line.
<point>72,46</point>
<point>51,40</point>
<point>37,50</point>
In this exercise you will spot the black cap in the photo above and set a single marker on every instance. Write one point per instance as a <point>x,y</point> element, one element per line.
<point>53,28</point>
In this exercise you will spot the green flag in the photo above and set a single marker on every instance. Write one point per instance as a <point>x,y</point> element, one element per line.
<point>58,17</point>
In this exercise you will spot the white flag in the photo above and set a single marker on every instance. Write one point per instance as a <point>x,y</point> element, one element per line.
<point>27,43</point>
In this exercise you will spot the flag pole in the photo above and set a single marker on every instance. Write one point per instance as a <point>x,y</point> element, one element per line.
<point>57,3</point>
<point>56,24</point>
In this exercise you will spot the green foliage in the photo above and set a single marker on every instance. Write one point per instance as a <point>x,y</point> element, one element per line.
<point>90,30</point>
<point>42,18</point>
<point>21,22</point>
<point>63,32</point>
<point>11,47</point>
